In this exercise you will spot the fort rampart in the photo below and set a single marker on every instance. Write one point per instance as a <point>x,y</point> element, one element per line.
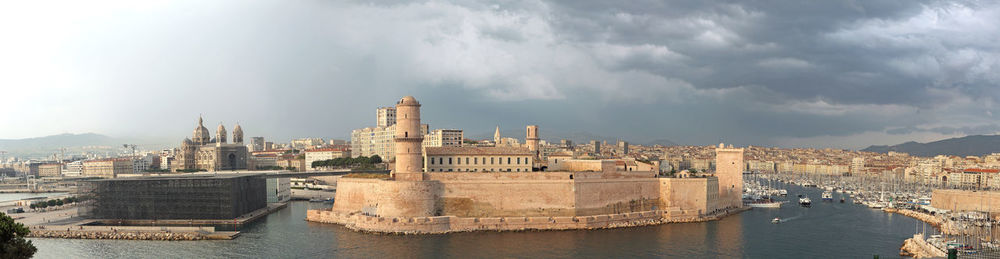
<point>449,202</point>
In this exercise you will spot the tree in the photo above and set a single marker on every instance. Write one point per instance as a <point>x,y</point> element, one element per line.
<point>32,206</point>
<point>376,159</point>
<point>12,242</point>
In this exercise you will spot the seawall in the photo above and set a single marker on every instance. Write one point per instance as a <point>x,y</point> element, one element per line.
<point>131,233</point>
<point>450,224</point>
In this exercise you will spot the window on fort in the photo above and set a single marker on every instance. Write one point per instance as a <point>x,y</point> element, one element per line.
<point>492,161</point>
<point>508,160</point>
<point>449,162</point>
<point>466,160</point>
<point>475,160</point>
<point>432,160</point>
<point>519,160</point>
<point>441,160</point>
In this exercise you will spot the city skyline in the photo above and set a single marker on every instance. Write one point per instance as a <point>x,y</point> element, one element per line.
<point>697,73</point>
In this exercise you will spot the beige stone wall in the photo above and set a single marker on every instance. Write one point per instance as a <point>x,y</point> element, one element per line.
<point>580,165</point>
<point>612,196</point>
<point>698,194</point>
<point>387,198</point>
<point>729,170</point>
<point>524,194</point>
<point>960,200</point>
<point>447,224</point>
<point>482,198</point>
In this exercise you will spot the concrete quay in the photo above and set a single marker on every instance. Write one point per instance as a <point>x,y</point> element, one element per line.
<point>451,224</point>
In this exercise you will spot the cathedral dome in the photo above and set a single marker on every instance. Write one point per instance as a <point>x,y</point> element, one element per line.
<point>200,135</point>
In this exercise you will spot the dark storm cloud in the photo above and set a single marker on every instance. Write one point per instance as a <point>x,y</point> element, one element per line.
<point>822,73</point>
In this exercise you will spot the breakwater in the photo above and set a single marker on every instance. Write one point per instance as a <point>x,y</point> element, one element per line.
<point>917,247</point>
<point>450,224</point>
<point>131,233</point>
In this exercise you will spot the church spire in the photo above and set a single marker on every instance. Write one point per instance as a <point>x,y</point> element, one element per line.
<point>496,136</point>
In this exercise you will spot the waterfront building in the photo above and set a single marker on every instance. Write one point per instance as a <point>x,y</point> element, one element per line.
<point>478,159</point>
<point>260,161</point>
<point>320,154</point>
<point>204,153</point>
<point>444,138</point>
<point>292,162</point>
<point>107,168</point>
<point>279,190</point>
<point>188,197</point>
<point>74,168</point>
<point>50,170</point>
<point>857,165</point>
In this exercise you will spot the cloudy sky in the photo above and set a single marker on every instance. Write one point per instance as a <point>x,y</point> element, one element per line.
<point>777,73</point>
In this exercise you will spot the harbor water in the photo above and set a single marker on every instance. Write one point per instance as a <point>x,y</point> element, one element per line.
<point>825,230</point>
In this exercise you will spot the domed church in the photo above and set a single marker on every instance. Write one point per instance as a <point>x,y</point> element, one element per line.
<point>201,152</point>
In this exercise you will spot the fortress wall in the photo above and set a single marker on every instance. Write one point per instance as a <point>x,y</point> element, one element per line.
<point>495,198</point>
<point>613,196</point>
<point>966,200</point>
<point>456,176</point>
<point>387,198</point>
<point>446,224</point>
<point>524,195</point>
<point>694,194</point>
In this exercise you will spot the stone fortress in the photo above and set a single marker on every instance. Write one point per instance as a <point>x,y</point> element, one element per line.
<point>580,194</point>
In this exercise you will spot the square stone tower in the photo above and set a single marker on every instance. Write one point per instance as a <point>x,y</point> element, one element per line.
<point>729,169</point>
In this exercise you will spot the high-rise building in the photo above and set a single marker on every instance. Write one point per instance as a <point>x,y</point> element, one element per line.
<point>257,144</point>
<point>386,116</point>
<point>376,141</point>
<point>444,138</point>
<point>623,145</point>
<point>597,146</point>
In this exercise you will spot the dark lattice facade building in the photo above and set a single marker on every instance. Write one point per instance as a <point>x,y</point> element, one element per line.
<point>196,197</point>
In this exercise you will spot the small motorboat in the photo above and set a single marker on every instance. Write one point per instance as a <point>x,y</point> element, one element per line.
<point>776,220</point>
<point>805,201</point>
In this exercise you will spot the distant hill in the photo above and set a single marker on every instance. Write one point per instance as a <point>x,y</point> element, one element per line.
<point>662,142</point>
<point>42,147</point>
<point>976,145</point>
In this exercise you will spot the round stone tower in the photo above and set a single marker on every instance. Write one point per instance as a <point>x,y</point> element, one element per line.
<point>409,141</point>
<point>531,139</point>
